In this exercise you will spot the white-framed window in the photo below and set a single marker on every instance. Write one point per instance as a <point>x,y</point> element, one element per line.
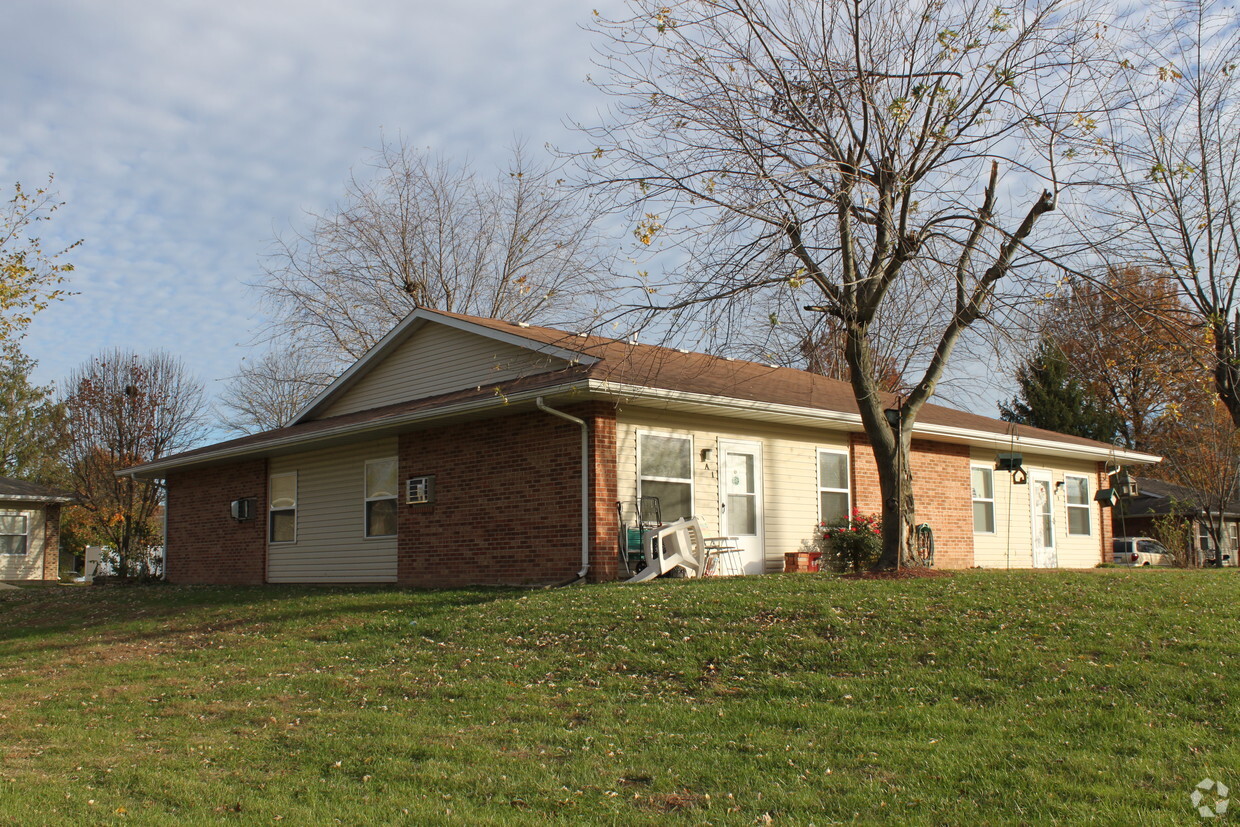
<point>14,531</point>
<point>834,494</point>
<point>665,470</point>
<point>983,481</point>
<point>380,497</point>
<point>282,507</point>
<point>1079,504</point>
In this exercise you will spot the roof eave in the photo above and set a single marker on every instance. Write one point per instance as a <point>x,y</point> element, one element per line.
<point>157,469</point>
<point>851,421</point>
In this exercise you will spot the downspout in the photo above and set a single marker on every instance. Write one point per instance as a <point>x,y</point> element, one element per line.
<point>585,483</point>
<point>163,574</point>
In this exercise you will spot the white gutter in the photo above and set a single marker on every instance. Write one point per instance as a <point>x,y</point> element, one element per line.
<point>820,416</point>
<point>154,469</point>
<point>585,482</point>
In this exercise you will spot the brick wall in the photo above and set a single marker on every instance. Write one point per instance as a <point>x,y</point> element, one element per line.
<point>1107,532</point>
<point>940,494</point>
<point>205,544</point>
<point>507,500</point>
<point>604,521</point>
<point>51,542</point>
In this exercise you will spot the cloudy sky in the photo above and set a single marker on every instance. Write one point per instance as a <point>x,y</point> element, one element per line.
<point>184,135</point>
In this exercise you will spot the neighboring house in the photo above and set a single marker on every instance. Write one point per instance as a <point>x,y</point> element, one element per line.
<point>466,450</point>
<point>1155,499</point>
<point>30,530</point>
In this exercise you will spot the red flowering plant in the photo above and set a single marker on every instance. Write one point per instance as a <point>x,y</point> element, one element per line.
<point>851,544</point>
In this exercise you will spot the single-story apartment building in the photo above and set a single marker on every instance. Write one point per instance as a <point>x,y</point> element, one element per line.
<point>30,530</point>
<point>467,450</point>
<point>1158,499</point>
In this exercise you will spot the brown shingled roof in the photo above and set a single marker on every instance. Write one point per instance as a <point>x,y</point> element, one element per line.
<point>660,367</point>
<point>637,365</point>
<point>13,489</point>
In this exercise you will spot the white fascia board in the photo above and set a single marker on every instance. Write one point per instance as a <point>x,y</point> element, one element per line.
<point>31,498</point>
<point>839,419</point>
<point>728,405</point>
<point>1000,442</point>
<point>155,470</point>
<point>410,325</point>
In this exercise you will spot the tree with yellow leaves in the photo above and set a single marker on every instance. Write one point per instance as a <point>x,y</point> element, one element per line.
<point>30,277</point>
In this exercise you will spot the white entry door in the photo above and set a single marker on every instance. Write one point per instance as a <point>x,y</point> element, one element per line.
<point>740,501</point>
<point>1042,506</point>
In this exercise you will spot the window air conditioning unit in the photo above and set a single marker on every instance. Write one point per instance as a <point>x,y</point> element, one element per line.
<point>243,509</point>
<point>420,490</point>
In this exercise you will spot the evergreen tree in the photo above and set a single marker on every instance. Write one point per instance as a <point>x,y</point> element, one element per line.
<point>1050,398</point>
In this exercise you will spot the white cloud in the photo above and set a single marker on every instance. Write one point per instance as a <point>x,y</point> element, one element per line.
<point>184,135</point>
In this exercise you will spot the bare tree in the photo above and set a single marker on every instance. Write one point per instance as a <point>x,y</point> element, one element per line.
<point>1175,150</point>
<point>845,150</point>
<point>420,231</point>
<point>123,410</point>
<point>268,391</point>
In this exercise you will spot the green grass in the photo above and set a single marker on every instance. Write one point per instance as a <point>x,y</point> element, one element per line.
<point>983,698</point>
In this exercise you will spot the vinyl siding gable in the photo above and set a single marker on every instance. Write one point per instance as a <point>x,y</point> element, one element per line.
<point>439,359</point>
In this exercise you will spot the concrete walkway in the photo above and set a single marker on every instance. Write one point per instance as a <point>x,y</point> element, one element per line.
<point>4,586</point>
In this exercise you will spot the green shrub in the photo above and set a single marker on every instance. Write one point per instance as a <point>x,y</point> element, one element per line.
<point>851,544</point>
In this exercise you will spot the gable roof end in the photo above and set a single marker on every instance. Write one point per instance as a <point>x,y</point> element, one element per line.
<point>410,325</point>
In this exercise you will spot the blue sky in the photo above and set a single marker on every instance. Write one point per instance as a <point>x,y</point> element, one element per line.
<point>185,135</point>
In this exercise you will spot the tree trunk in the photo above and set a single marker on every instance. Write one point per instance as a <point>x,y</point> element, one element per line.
<point>890,444</point>
<point>1227,366</point>
<point>895,484</point>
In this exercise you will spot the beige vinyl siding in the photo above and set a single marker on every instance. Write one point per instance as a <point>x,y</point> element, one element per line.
<point>789,461</point>
<point>331,546</point>
<point>30,565</point>
<point>438,359</point>
<point>1011,546</point>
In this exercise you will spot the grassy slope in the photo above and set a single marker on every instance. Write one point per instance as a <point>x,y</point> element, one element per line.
<point>981,698</point>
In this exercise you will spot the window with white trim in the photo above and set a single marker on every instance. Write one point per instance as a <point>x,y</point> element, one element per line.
<point>381,486</point>
<point>983,481</point>
<point>14,528</point>
<point>666,471</point>
<point>282,505</point>
<point>1079,504</point>
<point>834,496</point>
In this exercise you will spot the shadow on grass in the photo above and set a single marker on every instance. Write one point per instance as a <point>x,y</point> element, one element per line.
<point>66,620</point>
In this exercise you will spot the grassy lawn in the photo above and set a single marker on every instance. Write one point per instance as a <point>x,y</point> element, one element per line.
<point>983,698</point>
